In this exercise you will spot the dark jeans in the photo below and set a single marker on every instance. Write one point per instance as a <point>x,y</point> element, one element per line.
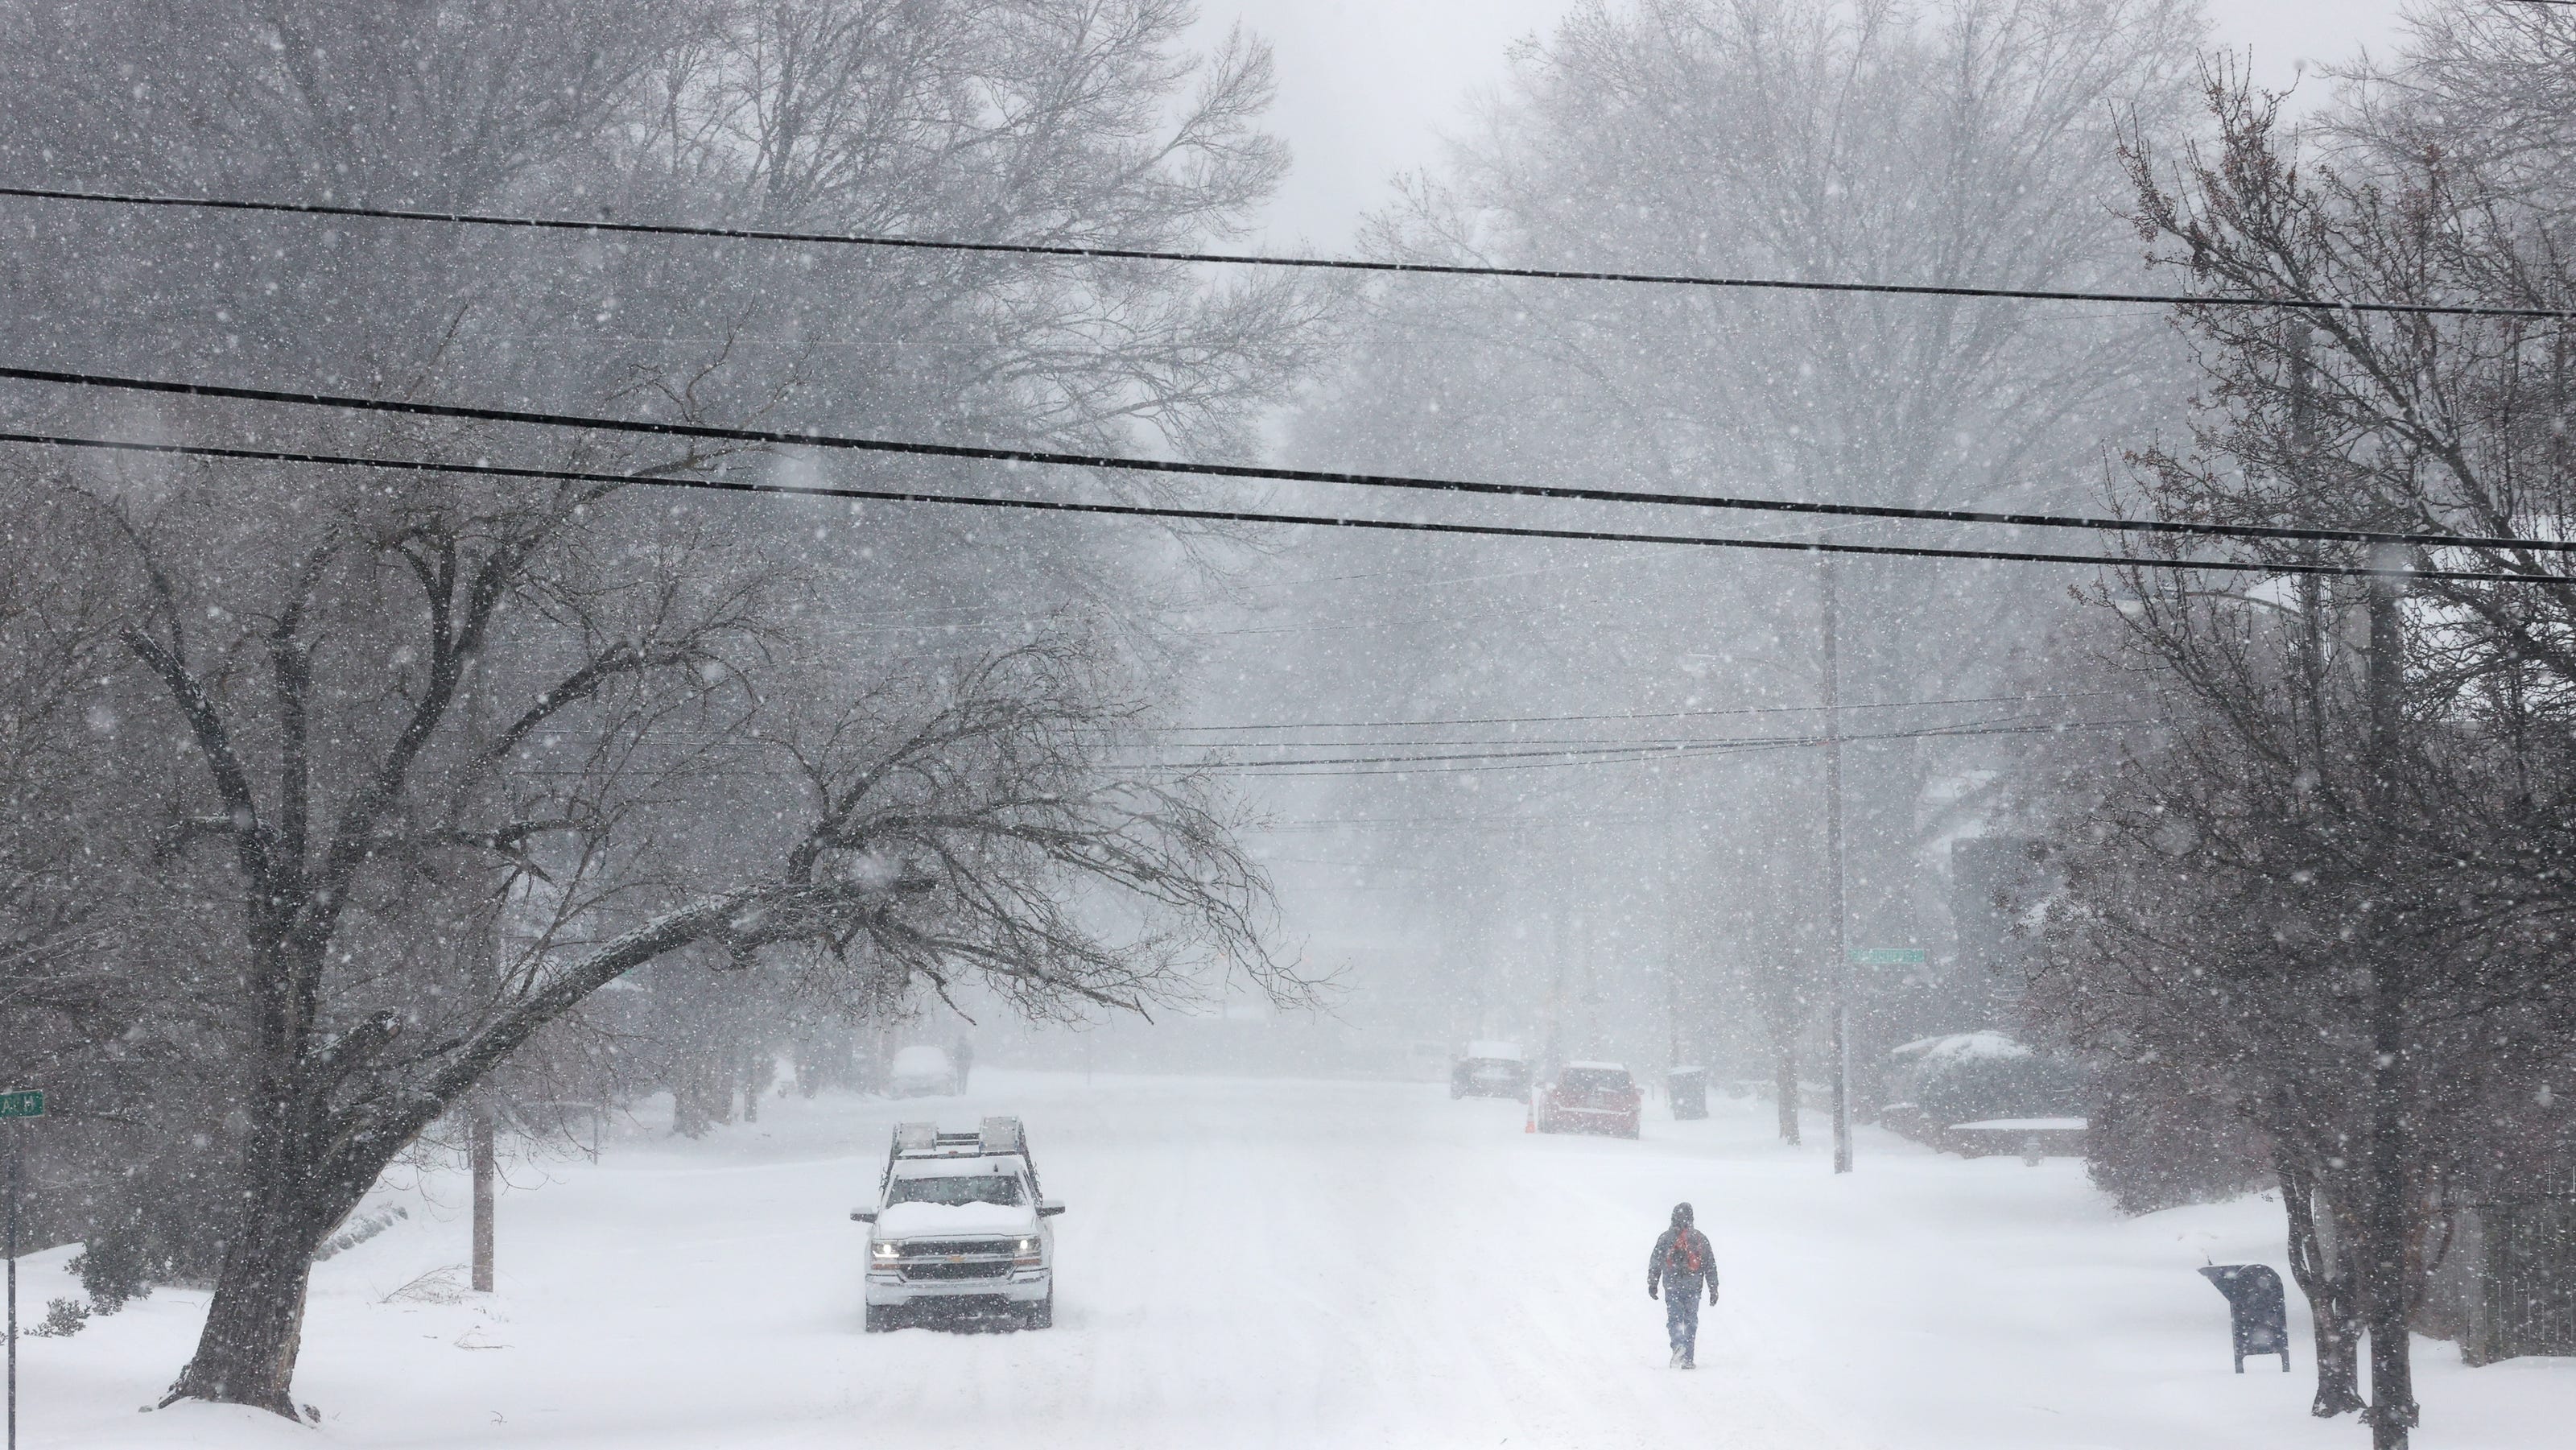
<point>1681,1318</point>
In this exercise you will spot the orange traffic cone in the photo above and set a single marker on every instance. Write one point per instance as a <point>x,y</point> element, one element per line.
<point>1529,1120</point>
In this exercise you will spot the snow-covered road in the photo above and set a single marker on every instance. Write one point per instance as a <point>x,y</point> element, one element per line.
<point>1292,1264</point>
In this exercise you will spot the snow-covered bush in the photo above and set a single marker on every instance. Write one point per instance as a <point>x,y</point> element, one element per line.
<point>63,1319</point>
<point>116,1266</point>
<point>1970,1077</point>
<point>359,1229</point>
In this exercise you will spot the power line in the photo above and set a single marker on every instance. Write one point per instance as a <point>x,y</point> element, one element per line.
<point>1014,456</point>
<point>1647,714</point>
<point>1452,764</point>
<point>1614,753</point>
<point>1528,743</point>
<point>1586,821</point>
<point>1648,741</point>
<point>1248,516</point>
<point>604,226</point>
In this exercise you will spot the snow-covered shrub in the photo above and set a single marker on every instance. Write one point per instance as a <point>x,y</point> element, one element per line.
<point>1970,1077</point>
<point>63,1319</point>
<point>359,1229</point>
<point>115,1267</point>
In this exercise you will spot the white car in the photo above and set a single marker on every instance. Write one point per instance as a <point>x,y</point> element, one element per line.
<point>921,1072</point>
<point>959,1225</point>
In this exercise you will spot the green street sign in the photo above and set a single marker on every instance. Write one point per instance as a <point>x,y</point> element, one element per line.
<point>22,1105</point>
<point>1889,956</point>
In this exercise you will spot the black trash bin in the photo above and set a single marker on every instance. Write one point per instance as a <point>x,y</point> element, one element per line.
<point>2259,1321</point>
<point>1689,1089</point>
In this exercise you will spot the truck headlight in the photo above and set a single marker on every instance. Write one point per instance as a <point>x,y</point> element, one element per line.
<point>885,1253</point>
<point>1024,1254</point>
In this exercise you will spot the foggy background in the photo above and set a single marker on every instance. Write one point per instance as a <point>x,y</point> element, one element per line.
<point>1539,904</point>
<point>1367,88</point>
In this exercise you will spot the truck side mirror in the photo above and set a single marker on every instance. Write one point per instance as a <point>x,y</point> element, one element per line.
<point>863,1215</point>
<point>1049,1208</point>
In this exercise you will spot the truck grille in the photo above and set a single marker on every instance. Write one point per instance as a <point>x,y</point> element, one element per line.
<point>942,1248</point>
<point>972,1269</point>
<point>957,1259</point>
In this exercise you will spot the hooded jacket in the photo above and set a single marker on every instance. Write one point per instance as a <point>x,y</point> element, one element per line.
<point>1683,1260</point>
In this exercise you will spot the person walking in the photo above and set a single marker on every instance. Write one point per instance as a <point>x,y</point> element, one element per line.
<point>1681,1263</point>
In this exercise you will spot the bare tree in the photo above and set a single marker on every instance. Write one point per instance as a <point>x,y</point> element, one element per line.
<point>2310,900</point>
<point>2490,85</point>
<point>928,831</point>
<point>1002,119</point>
<point>2341,883</point>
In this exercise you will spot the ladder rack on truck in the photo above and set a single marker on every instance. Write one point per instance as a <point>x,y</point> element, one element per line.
<point>995,1137</point>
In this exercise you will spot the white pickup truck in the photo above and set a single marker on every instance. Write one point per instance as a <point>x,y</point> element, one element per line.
<point>959,1225</point>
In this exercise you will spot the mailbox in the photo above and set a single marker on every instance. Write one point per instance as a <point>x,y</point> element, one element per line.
<point>2260,1320</point>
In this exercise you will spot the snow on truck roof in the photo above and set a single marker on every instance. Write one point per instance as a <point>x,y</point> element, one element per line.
<point>1505,1051</point>
<point>1596,1067</point>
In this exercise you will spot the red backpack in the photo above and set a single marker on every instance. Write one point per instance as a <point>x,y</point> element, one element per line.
<point>1684,1256</point>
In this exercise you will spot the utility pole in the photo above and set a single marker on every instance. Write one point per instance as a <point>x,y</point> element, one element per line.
<point>15,1108</point>
<point>1841,968</point>
<point>2392,1412</point>
<point>483,985</point>
<point>485,980</point>
<point>17,1150</point>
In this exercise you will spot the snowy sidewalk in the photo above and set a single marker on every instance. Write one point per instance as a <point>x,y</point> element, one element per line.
<point>1287,1264</point>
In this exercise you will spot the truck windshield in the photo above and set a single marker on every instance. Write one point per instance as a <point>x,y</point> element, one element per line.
<point>961,1189</point>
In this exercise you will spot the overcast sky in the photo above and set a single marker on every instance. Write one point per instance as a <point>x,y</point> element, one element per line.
<point>1367,86</point>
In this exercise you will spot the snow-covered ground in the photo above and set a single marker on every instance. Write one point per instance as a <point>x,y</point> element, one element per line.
<point>1292,1264</point>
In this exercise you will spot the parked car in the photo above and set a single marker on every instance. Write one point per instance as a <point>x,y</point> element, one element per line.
<point>921,1072</point>
<point>1490,1070</point>
<point>1589,1097</point>
<point>959,1225</point>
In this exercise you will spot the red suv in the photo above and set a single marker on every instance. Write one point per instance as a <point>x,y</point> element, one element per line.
<point>1590,1097</point>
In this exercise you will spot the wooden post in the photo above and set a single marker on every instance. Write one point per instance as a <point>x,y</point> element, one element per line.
<point>479,1149</point>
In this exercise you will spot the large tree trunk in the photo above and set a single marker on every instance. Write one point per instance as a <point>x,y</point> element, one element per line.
<point>255,1325</point>
<point>2387,1213</point>
<point>2388,1302</point>
<point>2323,1268</point>
<point>246,1351</point>
<point>2387,1284</point>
